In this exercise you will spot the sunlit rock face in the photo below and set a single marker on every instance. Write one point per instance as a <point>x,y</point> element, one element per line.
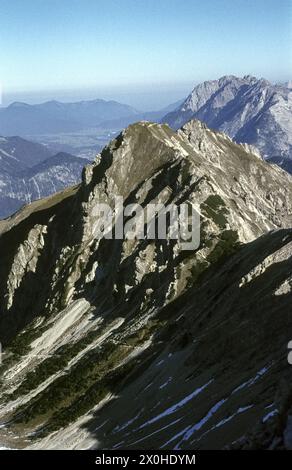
<point>249,110</point>
<point>137,343</point>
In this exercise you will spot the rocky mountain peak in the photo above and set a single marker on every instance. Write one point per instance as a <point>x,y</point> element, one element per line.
<point>249,110</point>
<point>94,328</point>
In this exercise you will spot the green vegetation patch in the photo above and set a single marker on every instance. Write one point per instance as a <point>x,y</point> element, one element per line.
<point>227,244</point>
<point>21,345</point>
<point>214,208</point>
<point>85,384</point>
<point>54,364</point>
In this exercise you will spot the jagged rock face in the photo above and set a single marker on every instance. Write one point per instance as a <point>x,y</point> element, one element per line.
<point>29,172</point>
<point>248,110</point>
<point>126,332</point>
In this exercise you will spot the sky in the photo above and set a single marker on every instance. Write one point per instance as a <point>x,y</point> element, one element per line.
<point>147,53</point>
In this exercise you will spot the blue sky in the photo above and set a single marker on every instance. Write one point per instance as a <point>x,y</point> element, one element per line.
<point>151,50</point>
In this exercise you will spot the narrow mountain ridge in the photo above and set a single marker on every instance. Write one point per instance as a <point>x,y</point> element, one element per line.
<point>137,343</point>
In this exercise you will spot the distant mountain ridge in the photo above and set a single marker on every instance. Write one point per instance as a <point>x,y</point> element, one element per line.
<point>55,117</point>
<point>19,153</point>
<point>248,109</point>
<point>155,116</point>
<point>29,171</point>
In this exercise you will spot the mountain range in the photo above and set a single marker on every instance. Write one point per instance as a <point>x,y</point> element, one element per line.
<point>155,116</point>
<point>81,128</point>
<point>29,171</point>
<point>54,117</point>
<point>138,344</point>
<point>247,109</point>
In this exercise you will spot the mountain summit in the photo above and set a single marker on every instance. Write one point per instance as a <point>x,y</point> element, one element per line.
<point>247,109</point>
